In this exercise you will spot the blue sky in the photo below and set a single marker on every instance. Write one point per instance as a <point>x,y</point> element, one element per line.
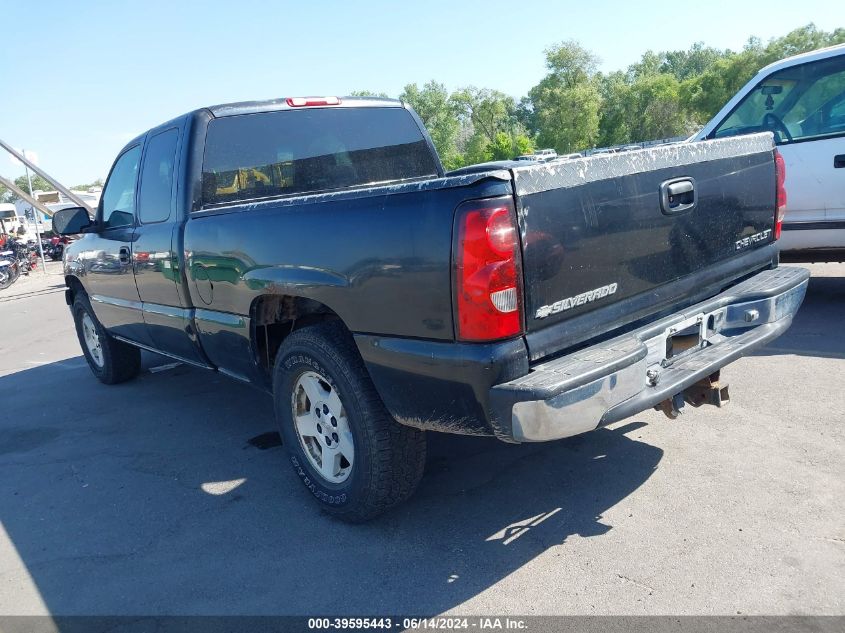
<point>90,75</point>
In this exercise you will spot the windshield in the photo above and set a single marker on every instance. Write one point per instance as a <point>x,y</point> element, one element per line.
<point>795,103</point>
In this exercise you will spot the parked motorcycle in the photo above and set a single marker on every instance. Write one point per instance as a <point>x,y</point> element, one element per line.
<point>55,248</point>
<point>15,260</point>
<point>10,268</point>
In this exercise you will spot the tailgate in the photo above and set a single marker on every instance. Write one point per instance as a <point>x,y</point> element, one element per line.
<point>605,230</point>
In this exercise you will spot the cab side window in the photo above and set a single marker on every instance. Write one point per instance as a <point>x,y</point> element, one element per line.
<point>156,189</point>
<point>118,202</point>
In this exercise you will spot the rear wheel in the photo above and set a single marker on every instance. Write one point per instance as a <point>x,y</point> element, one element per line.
<point>343,444</point>
<point>110,360</point>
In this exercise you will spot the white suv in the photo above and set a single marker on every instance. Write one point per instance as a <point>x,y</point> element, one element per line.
<point>801,100</point>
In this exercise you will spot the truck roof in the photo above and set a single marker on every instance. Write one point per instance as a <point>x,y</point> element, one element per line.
<point>270,105</point>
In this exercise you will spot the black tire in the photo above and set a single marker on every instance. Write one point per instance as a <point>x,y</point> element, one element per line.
<point>389,458</point>
<point>7,278</point>
<point>121,361</point>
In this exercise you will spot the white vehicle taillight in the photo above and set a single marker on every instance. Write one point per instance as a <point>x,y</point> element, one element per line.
<point>780,196</point>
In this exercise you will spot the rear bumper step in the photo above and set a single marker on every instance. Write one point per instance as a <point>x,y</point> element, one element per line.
<point>639,370</point>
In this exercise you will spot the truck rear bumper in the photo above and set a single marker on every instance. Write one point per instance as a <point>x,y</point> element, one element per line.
<point>615,379</point>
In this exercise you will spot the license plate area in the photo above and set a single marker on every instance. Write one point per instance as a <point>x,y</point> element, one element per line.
<point>678,340</point>
<point>683,342</point>
<point>682,339</point>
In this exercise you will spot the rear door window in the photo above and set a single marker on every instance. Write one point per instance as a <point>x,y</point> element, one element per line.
<point>289,152</point>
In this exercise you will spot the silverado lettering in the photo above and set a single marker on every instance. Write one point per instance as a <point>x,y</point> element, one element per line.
<point>577,300</point>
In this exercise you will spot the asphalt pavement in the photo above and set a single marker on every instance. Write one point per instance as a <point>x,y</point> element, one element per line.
<point>170,494</point>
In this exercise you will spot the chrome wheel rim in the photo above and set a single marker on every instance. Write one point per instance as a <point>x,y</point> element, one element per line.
<point>322,427</point>
<point>92,339</point>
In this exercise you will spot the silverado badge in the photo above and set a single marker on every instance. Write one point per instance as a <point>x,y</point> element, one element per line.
<point>577,300</point>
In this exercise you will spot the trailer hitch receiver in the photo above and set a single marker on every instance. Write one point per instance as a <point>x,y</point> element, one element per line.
<point>706,391</point>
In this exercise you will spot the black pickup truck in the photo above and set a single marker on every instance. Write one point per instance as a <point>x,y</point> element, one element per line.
<point>316,249</point>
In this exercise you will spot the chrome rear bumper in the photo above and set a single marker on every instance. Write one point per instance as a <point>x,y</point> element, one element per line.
<point>631,373</point>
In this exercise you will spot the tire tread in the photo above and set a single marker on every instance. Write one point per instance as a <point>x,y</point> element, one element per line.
<point>397,452</point>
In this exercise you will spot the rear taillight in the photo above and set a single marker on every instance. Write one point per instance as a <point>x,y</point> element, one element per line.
<point>488,271</point>
<point>780,197</point>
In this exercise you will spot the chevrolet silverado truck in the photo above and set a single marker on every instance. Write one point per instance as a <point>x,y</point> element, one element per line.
<point>316,249</point>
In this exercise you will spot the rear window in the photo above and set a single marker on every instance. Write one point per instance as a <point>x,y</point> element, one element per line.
<point>304,151</point>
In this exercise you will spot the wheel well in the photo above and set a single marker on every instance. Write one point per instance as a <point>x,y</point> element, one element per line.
<point>74,285</point>
<point>274,317</point>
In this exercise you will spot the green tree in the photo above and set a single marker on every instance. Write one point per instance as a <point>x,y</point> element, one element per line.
<point>650,64</point>
<point>705,94</point>
<point>679,64</point>
<point>523,144</point>
<point>368,93</point>
<point>655,109</point>
<point>494,130</point>
<point>477,150</point>
<point>697,60</point>
<point>96,183</point>
<point>570,64</point>
<point>489,111</point>
<point>565,104</point>
<point>614,124</point>
<point>38,184</point>
<point>440,116</point>
<point>568,118</point>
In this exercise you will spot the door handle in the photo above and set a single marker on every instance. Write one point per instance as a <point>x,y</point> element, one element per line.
<point>839,161</point>
<point>677,195</point>
<point>123,255</point>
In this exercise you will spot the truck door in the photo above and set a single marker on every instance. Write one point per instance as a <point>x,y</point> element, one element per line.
<point>155,252</point>
<point>106,260</point>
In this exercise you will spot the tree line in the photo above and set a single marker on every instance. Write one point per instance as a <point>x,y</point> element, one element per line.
<point>576,107</point>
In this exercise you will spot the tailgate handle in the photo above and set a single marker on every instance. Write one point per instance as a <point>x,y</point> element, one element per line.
<point>677,195</point>
<point>839,161</point>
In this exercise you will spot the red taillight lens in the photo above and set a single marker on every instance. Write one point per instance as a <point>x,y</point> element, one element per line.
<point>488,271</point>
<point>780,197</point>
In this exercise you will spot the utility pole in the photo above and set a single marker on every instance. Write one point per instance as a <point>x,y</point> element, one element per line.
<point>35,217</point>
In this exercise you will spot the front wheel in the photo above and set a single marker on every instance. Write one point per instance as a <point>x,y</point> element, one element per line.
<point>343,444</point>
<point>8,275</point>
<point>110,360</point>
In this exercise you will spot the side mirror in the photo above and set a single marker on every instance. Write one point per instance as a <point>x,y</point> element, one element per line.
<point>71,221</point>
